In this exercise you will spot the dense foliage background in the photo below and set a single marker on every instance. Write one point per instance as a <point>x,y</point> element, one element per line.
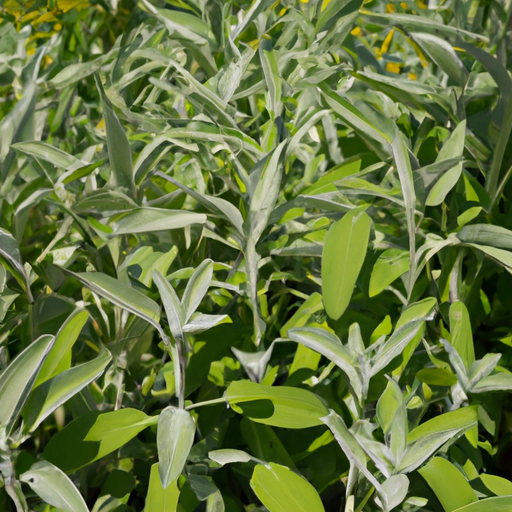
<point>255,256</point>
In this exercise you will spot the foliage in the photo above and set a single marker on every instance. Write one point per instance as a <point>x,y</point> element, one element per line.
<point>255,256</point>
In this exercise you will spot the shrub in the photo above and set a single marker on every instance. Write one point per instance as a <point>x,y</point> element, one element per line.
<point>255,256</point>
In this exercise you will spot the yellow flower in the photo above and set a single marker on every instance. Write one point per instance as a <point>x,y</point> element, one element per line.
<point>390,8</point>
<point>403,5</point>
<point>387,42</point>
<point>356,31</point>
<point>412,76</point>
<point>393,67</point>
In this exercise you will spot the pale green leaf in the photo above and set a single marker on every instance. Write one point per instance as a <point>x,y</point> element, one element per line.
<point>342,258</point>
<point>175,436</point>
<point>54,487</point>
<point>17,379</point>
<point>281,490</point>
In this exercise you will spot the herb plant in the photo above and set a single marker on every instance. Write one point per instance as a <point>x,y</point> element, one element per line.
<point>255,256</point>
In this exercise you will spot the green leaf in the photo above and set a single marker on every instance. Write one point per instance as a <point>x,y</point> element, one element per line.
<point>48,153</point>
<point>59,358</point>
<point>200,323</point>
<point>158,498</point>
<point>330,346</point>
<point>419,23</point>
<point>425,440</point>
<point>94,435</point>
<point>393,414</point>
<point>144,220</point>
<point>122,295</point>
<point>395,345</point>
<point>500,255</point>
<point>17,379</point>
<point>250,15</point>
<point>443,55</point>
<point>197,287</point>
<point>11,258</point>
<point>229,456</point>
<point>497,485</point>
<point>175,437</point>
<point>266,190</point>
<point>379,140</point>
<point>273,80</point>
<point>495,504</point>
<point>448,483</point>
<point>462,336</point>
<point>452,148</point>
<point>57,390</point>
<point>463,418</point>
<point>216,205</point>
<point>352,450</point>
<point>404,169</point>
<point>281,490</point>
<point>280,406</point>
<point>486,234</point>
<point>436,377</point>
<point>496,382</point>
<point>172,305</point>
<point>119,152</point>
<point>231,76</point>
<point>75,72</point>
<point>395,488</point>
<point>54,487</point>
<point>342,258</point>
<point>392,263</point>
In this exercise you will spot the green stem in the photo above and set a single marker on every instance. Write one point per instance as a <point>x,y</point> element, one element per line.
<point>491,182</point>
<point>17,497</point>
<point>207,402</point>
<point>181,383</point>
<point>251,268</point>
<point>365,499</point>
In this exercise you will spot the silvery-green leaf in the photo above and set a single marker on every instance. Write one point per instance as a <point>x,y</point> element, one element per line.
<point>54,487</point>
<point>17,379</point>
<point>175,437</point>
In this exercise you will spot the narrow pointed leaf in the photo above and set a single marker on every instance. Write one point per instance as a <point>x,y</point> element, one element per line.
<point>59,358</point>
<point>462,336</point>
<point>172,305</point>
<point>144,220</point>
<point>197,287</point>
<point>122,295</point>
<point>18,378</point>
<point>94,435</point>
<point>119,152</point>
<point>391,264</point>
<point>57,390</point>
<point>330,346</point>
<point>11,257</point>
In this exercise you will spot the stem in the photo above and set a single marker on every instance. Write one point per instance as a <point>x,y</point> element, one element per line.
<point>181,383</point>
<point>491,182</point>
<point>31,320</point>
<point>251,268</point>
<point>207,402</point>
<point>12,486</point>
<point>365,499</point>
